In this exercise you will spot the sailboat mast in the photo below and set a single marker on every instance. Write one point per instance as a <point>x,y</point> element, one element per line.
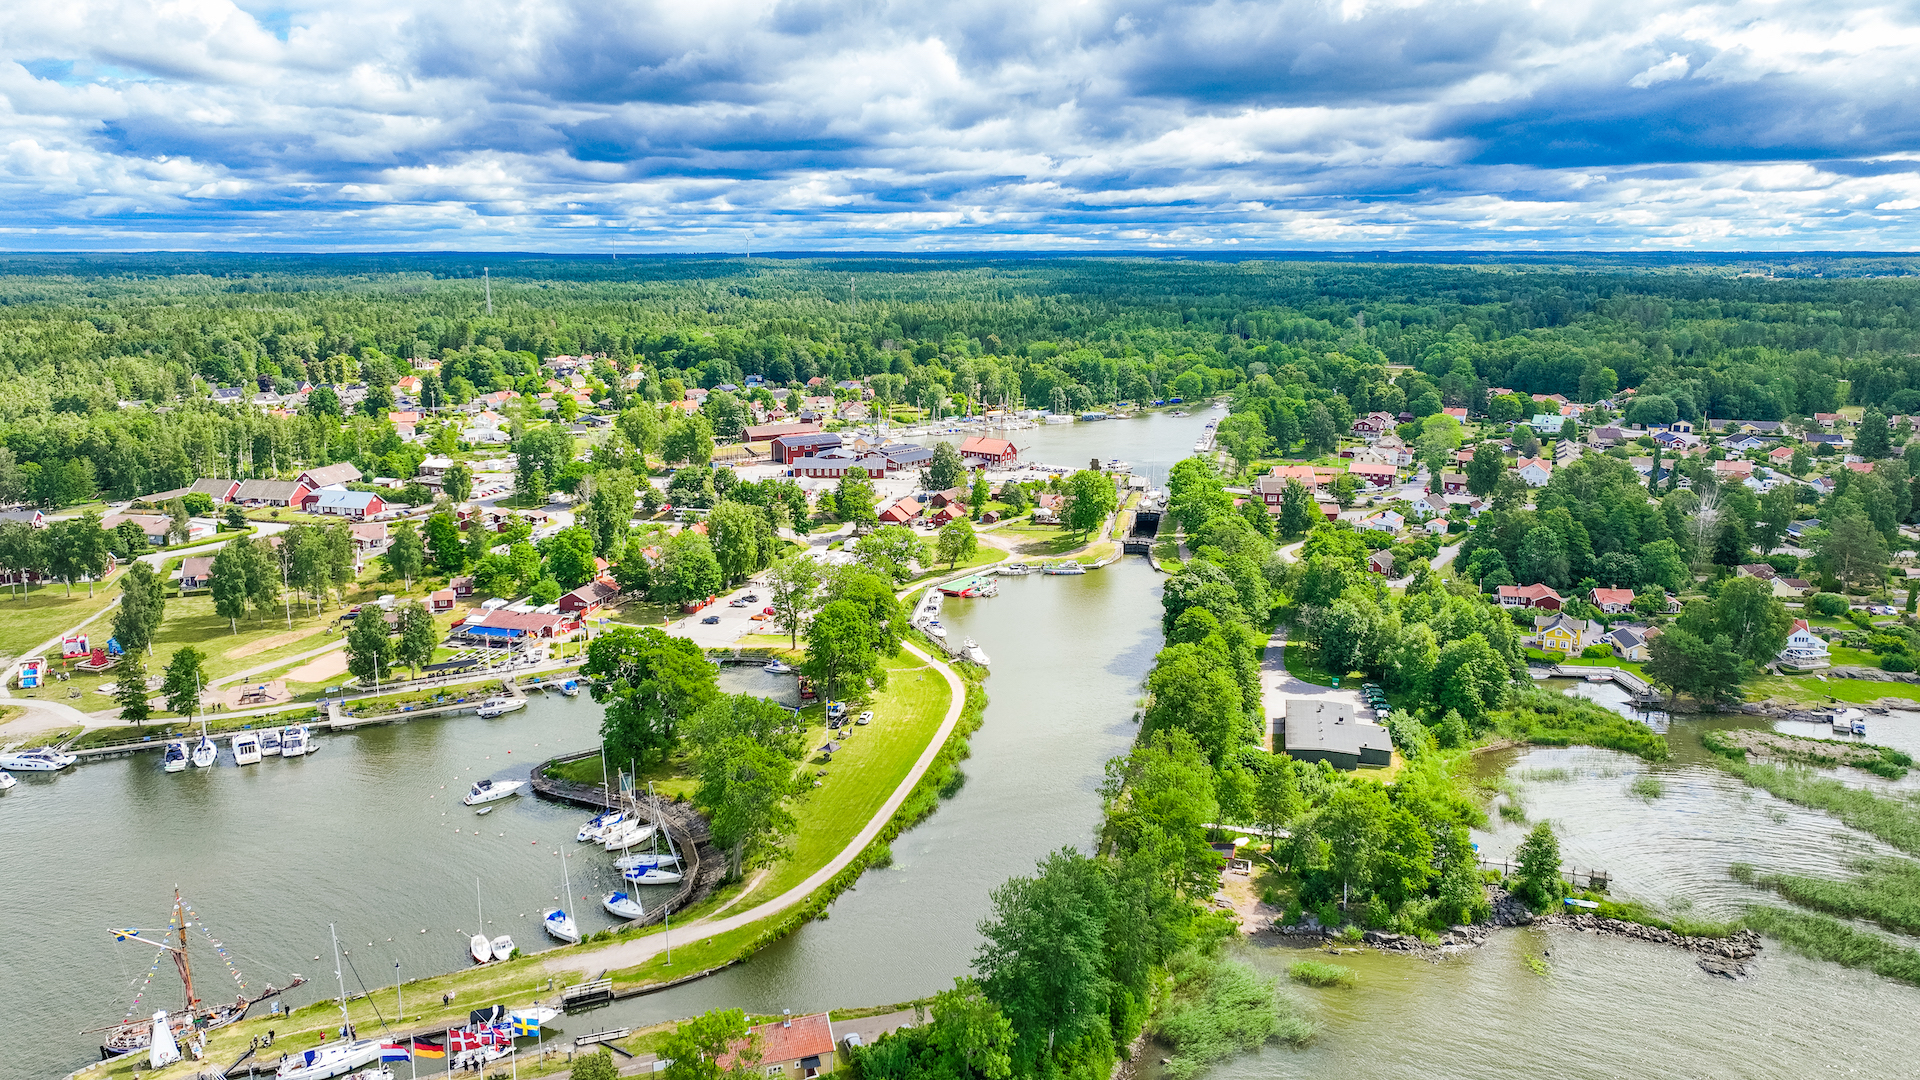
<point>345,1019</point>
<point>180,956</point>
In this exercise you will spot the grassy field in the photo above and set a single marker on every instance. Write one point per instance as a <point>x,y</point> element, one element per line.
<point>984,556</point>
<point>29,618</point>
<point>1810,690</point>
<point>862,774</point>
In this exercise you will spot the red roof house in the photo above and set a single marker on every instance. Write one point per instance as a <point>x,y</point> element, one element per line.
<point>795,1048</point>
<point>980,450</point>
<point>1613,601</point>
<point>1530,596</point>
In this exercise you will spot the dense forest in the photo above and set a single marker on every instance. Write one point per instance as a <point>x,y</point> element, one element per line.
<point>84,335</point>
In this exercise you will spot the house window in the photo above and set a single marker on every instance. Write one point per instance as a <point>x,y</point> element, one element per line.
<point>776,1070</point>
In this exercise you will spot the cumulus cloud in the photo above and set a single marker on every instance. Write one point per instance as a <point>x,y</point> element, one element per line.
<point>646,124</point>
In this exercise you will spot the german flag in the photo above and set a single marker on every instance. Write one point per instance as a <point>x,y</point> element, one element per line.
<point>426,1046</point>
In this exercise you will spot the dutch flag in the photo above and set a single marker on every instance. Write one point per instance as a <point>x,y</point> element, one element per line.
<point>394,1052</point>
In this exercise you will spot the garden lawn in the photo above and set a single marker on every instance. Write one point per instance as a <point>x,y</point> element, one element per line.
<point>982,557</point>
<point>1303,663</point>
<point>865,771</point>
<point>1807,689</point>
<point>28,619</point>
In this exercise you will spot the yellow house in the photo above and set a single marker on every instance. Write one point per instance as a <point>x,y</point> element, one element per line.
<point>1565,634</point>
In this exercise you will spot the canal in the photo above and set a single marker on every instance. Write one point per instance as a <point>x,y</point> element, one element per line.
<point>368,834</point>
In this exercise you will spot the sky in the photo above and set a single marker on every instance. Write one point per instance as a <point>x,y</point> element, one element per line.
<point>722,125</point>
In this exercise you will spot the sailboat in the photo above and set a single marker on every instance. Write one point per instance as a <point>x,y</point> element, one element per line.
<point>206,753</point>
<point>477,944</point>
<point>596,827</point>
<point>132,1035</point>
<point>658,872</point>
<point>621,906</point>
<point>559,923</point>
<point>176,759</point>
<point>335,1058</point>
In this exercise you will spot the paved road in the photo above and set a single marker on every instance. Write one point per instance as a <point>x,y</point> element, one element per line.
<point>628,954</point>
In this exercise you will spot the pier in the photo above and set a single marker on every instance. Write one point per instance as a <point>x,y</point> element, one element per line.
<point>1639,688</point>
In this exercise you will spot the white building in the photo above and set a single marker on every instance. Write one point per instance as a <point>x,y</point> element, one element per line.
<point>1805,648</point>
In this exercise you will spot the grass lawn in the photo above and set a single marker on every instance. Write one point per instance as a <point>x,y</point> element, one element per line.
<point>982,557</point>
<point>861,776</point>
<point>29,618</point>
<point>1303,663</point>
<point>1842,655</point>
<point>1809,690</point>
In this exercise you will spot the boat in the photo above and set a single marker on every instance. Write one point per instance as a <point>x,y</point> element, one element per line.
<point>570,688</point>
<point>621,906</point>
<point>938,631</point>
<point>206,753</point>
<point>1065,568</point>
<point>501,947</point>
<point>973,652</point>
<point>776,667</point>
<point>334,1059</point>
<point>645,858</point>
<point>7,780</point>
<point>558,922</point>
<point>500,706</point>
<point>486,791</point>
<point>296,742</point>
<point>626,834</point>
<point>483,811</point>
<point>652,875</point>
<point>1093,416</point>
<point>1116,465</point>
<point>657,871</point>
<point>176,756</point>
<point>39,759</point>
<point>596,827</point>
<point>246,748</point>
<point>970,586</point>
<point>178,1026</point>
<point>270,742</point>
<point>477,945</point>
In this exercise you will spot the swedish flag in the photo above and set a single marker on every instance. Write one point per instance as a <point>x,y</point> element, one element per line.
<point>122,935</point>
<point>526,1027</point>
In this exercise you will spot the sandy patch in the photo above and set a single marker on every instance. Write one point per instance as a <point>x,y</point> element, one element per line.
<point>268,643</point>
<point>320,668</point>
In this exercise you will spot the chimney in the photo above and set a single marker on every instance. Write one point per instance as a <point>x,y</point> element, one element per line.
<point>788,1014</point>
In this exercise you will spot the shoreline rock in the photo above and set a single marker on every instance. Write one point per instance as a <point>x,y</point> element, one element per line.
<point>1726,957</point>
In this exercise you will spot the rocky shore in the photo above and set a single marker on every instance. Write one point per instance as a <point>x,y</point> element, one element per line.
<point>1726,957</point>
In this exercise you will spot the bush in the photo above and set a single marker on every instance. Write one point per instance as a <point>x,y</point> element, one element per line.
<point>1894,661</point>
<point>1219,1007</point>
<point>1315,973</point>
<point>1829,604</point>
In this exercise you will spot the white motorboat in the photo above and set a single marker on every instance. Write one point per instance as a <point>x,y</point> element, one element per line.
<point>39,759</point>
<point>205,753</point>
<point>621,906</point>
<point>559,923</point>
<point>596,827</point>
<point>652,875</point>
<point>501,947</point>
<point>176,756</point>
<point>246,748</point>
<point>776,667</point>
<point>500,706</point>
<point>478,945</point>
<point>296,742</point>
<point>538,1014</point>
<point>1065,568</point>
<point>333,1059</point>
<point>270,742</point>
<point>974,652</point>
<point>571,688</point>
<point>626,834</point>
<point>645,858</point>
<point>486,791</point>
<point>7,781</point>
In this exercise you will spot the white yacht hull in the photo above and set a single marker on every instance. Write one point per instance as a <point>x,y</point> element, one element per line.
<point>626,834</point>
<point>479,949</point>
<point>36,761</point>
<point>501,947</point>
<point>246,750</point>
<point>501,790</point>
<point>621,906</point>
<point>333,1059</point>
<point>560,925</point>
